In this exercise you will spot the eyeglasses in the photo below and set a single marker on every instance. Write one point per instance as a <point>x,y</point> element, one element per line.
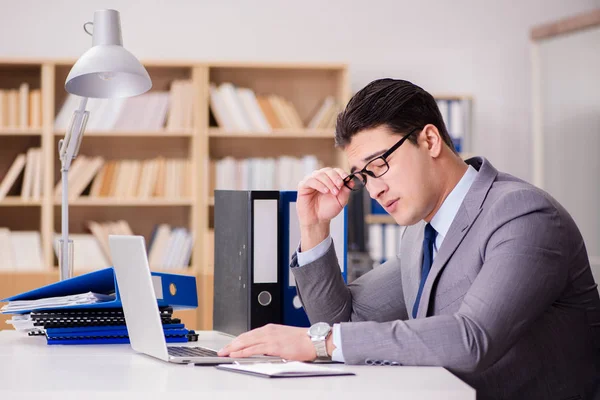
<point>374,168</point>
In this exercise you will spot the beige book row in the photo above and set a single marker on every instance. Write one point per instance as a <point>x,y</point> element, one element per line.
<point>282,173</point>
<point>29,166</point>
<point>169,247</point>
<point>131,179</point>
<point>20,108</point>
<point>20,250</point>
<point>239,109</point>
<point>153,111</point>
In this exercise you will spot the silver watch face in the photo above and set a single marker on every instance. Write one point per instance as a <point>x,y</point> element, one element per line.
<point>319,329</point>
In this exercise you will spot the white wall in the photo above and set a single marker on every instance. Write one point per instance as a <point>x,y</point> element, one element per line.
<point>479,47</point>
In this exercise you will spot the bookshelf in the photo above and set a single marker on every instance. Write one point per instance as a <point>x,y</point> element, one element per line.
<point>202,142</point>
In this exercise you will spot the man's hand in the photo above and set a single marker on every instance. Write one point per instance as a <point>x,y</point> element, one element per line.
<point>321,197</point>
<point>287,342</point>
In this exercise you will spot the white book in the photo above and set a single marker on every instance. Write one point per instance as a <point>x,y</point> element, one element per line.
<point>456,128</point>
<point>24,105</point>
<point>376,243</point>
<point>27,250</point>
<point>156,121</point>
<point>85,177</point>
<point>188,105</point>
<point>75,170</point>
<point>390,234</point>
<point>175,118</point>
<point>444,110</point>
<point>28,178</point>
<point>219,109</point>
<point>176,242</point>
<point>158,246</point>
<point>65,114</point>
<point>11,176</point>
<point>38,178</point>
<point>87,253</point>
<point>234,107</point>
<point>255,114</point>
<point>170,248</point>
<point>321,112</point>
<point>187,250</point>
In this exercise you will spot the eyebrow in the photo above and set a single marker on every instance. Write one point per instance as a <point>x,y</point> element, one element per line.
<point>368,158</point>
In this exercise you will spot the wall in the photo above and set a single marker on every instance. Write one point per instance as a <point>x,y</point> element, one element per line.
<point>466,46</point>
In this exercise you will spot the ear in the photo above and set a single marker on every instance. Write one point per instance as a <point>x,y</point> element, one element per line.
<point>433,140</point>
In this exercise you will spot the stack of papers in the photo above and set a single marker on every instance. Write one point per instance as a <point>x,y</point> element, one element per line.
<point>53,302</point>
<point>291,369</point>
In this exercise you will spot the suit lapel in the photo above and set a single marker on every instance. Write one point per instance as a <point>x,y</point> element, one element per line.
<point>412,257</point>
<point>457,232</point>
<point>464,219</point>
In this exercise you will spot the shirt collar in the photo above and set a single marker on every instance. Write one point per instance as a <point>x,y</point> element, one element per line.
<point>442,220</point>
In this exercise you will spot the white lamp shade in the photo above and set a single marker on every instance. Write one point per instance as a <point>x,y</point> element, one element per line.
<point>108,71</point>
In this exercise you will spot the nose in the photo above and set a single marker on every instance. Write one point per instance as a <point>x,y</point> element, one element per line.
<point>376,187</point>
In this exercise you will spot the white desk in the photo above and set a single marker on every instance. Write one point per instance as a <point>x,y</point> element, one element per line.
<point>31,369</point>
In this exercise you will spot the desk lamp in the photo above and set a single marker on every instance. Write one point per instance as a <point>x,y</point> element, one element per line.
<point>105,71</point>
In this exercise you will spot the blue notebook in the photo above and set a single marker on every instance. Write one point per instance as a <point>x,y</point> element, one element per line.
<point>177,291</point>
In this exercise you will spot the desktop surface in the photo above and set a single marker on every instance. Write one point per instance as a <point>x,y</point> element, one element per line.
<point>29,366</point>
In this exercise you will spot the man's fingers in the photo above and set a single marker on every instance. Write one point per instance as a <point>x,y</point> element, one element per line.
<point>335,179</point>
<point>247,340</point>
<point>317,185</point>
<point>257,349</point>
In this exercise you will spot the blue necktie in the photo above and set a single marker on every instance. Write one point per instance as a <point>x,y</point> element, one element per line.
<point>428,240</point>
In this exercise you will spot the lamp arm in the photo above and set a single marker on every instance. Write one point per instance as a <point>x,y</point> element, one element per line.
<point>68,148</point>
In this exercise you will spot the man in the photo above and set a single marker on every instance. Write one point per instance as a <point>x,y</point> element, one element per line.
<point>492,281</point>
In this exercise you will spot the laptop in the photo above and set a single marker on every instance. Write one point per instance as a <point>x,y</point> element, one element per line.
<point>140,308</point>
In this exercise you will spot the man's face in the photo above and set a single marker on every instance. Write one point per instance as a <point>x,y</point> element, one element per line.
<point>407,189</point>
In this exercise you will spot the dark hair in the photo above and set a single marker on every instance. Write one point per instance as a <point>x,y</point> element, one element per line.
<point>399,105</point>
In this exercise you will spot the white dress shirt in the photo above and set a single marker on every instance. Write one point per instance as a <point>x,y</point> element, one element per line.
<point>441,222</point>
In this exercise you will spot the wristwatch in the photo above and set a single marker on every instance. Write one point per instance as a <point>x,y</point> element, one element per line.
<point>318,333</point>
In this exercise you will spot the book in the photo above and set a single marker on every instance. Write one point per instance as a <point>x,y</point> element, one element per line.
<point>293,369</point>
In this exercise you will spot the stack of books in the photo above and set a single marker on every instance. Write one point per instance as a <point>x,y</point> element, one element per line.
<point>87,310</point>
<point>239,109</point>
<point>21,108</point>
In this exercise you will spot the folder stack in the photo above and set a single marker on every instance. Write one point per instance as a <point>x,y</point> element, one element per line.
<point>87,309</point>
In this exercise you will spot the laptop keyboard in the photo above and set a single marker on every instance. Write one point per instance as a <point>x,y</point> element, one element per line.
<point>182,351</point>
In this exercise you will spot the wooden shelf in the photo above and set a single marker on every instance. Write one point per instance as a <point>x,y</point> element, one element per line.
<point>46,272</point>
<point>157,134</point>
<point>83,270</point>
<point>17,201</point>
<point>275,134</point>
<point>109,202</point>
<point>20,131</point>
<point>380,219</point>
<point>201,145</point>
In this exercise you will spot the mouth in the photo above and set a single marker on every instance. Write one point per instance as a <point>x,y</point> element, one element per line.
<point>391,203</point>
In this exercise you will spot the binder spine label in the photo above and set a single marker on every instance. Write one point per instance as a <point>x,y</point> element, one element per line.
<point>264,239</point>
<point>158,289</point>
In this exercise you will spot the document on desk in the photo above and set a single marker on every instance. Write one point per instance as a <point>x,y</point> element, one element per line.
<point>56,302</point>
<point>292,369</point>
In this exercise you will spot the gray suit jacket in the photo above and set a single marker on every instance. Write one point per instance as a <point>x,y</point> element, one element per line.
<point>510,305</point>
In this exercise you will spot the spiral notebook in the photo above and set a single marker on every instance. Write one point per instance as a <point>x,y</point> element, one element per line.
<point>292,369</point>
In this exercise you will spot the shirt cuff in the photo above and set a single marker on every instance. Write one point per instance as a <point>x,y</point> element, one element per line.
<point>315,253</point>
<point>337,354</point>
